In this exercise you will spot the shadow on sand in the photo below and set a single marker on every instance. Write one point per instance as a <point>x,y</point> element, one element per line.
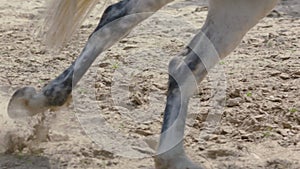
<point>15,161</point>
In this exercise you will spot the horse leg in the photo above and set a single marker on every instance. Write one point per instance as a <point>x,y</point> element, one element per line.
<point>117,21</point>
<point>227,22</point>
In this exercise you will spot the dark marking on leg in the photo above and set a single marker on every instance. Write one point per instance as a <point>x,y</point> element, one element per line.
<point>112,13</point>
<point>58,90</point>
<point>173,99</point>
<point>178,69</point>
<point>184,74</point>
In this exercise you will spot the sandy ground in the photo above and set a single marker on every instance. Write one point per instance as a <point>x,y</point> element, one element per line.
<point>126,88</point>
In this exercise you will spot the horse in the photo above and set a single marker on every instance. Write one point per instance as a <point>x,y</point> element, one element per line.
<point>226,24</point>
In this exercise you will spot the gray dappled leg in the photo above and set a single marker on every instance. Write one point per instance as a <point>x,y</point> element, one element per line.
<point>226,24</point>
<point>117,21</point>
<point>184,76</point>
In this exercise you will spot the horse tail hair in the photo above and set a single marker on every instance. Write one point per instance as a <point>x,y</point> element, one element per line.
<point>62,18</point>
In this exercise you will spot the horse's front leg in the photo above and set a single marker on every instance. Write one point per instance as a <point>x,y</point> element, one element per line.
<point>184,74</point>
<point>226,24</point>
<point>117,21</point>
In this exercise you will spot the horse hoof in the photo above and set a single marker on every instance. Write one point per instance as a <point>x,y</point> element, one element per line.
<point>25,102</point>
<point>177,162</point>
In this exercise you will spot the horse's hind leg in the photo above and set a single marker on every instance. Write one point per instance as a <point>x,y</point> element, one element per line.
<point>117,21</point>
<point>227,22</point>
